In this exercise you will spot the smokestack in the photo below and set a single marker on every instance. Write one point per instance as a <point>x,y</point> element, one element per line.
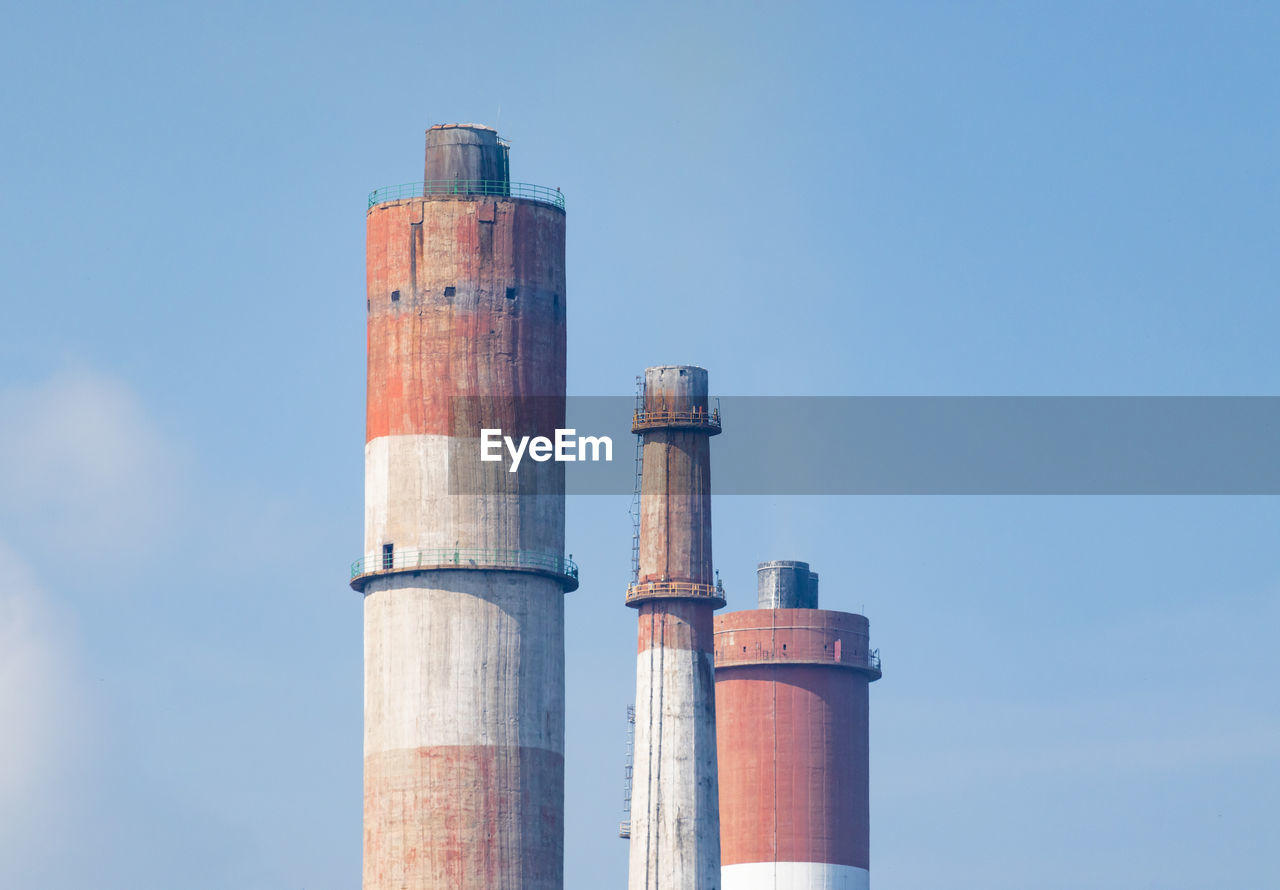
<point>675,830</point>
<point>463,595</point>
<point>791,722</point>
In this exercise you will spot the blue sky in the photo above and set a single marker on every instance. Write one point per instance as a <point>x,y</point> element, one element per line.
<point>807,199</point>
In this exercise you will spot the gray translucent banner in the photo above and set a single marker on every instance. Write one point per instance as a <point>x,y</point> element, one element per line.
<point>808,445</point>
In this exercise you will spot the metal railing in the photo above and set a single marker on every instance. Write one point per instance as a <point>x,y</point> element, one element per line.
<point>462,558</point>
<point>674,589</point>
<point>698,419</point>
<point>495,187</point>
<point>729,656</point>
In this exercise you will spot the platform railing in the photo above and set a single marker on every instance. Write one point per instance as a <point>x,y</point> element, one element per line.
<point>697,419</point>
<point>463,558</point>
<point>731,656</point>
<point>495,187</point>
<point>642,590</point>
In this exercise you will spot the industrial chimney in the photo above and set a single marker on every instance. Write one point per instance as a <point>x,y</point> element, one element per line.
<point>464,572</point>
<point>791,721</point>
<point>674,826</point>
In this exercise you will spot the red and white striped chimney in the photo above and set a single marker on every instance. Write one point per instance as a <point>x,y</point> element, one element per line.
<point>675,831</point>
<point>464,572</point>
<point>791,722</point>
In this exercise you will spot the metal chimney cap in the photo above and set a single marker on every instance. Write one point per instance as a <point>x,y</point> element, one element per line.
<point>786,584</point>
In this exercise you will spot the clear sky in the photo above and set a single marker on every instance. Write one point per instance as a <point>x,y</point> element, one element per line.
<point>807,199</point>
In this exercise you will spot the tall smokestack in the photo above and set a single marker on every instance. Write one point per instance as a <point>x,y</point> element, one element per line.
<point>463,579</point>
<point>675,830</point>
<point>791,712</point>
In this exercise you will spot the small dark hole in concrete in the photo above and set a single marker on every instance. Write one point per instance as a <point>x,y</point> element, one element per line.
<point>450,291</point>
<point>395,296</point>
<point>555,299</point>
<point>511,293</point>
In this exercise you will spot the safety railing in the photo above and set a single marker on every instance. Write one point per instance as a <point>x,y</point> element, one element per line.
<point>697,419</point>
<point>463,558</point>
<point>729,656</point>
<point>645,590</point>
<point>495,187</point>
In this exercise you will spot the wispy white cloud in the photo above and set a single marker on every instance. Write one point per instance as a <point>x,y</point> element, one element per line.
<point>82,465</point>
<point>39,700</point>
<point>92,487</point>
<point>87,481</point>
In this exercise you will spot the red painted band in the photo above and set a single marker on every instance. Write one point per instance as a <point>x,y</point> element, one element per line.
<point>432,244</point>
<point>463,306</point>
<point>675,624</point>
<point>792,751</point>
<point>464,818</point>
<point>421,364</point>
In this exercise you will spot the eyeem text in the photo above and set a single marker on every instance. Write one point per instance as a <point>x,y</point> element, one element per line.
<point>567,447</point>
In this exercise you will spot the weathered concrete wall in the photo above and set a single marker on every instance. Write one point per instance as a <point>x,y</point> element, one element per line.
<point>674,826</point>
<point>675,507</point>
<point>428,346</point>
<point>464,670</point>
<point>792,733</point>
<point>409,502</point>
<point>675,833</point>
<point>466,316</point>
<point>464,732</point>
<point>675,486</point>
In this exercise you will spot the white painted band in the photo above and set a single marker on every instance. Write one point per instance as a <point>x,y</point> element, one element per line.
<point>675,812</point>
<point>475,659</point>
<point>408,500</point>
<point>794,876</point>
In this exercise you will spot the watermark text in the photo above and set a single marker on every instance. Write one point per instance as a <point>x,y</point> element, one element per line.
<point>566,447</point>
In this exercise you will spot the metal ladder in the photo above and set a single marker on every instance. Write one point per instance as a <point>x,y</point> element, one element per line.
<point>635,495</point>
<point>624,827</point>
